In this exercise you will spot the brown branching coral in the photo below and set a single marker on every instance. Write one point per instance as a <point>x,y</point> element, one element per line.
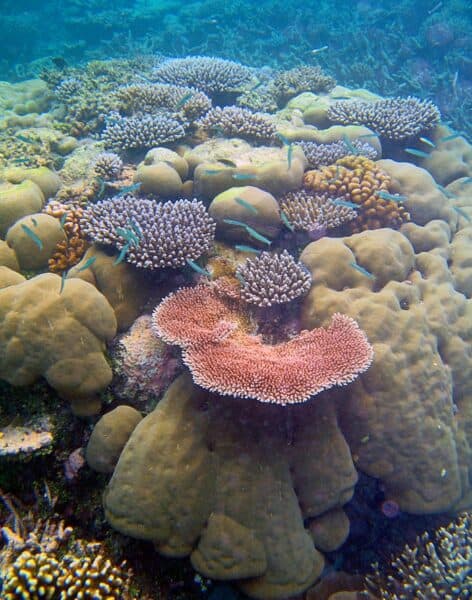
<point>359,180</point>
<point>69,252</point>
<point>435,568</point>
<point>301,79</point>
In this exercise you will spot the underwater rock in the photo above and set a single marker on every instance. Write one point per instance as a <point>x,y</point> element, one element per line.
<point>48,181</point>
<point>18,200</point>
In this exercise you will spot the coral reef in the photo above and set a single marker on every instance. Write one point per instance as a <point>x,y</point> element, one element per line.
<point>232,121</point>
<point>69,252</point>
<point>397,119</point>
<point>436,566</point>
<point>270,279</point>
<point>151,235</point>
<point>288,84</point>
<point>360,181</point>
<point>143,131</point>
<point>225,358</point>
<point>208,74</point>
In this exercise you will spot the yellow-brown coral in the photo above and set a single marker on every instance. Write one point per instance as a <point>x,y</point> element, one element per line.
<point>69,252</point>
<point>358,179</point>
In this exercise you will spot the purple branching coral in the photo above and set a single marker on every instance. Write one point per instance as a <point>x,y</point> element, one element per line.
<point>395,119</point>
<point>232,121</point>
<point>308,212</point>
<point>270,279</point>
<point>186,103</point>
<point>208,74</point>
<point>318,155</point>
<point>152,235</point>
<point>141,131</point>
<point>107,165</point>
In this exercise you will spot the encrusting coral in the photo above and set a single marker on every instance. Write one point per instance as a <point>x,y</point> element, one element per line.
<point>358,180</point>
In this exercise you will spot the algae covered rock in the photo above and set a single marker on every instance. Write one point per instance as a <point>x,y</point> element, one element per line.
<point>18,200</point>
<point>57,329</point>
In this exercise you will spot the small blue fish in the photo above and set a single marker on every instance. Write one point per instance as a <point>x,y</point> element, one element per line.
<point>215,171</point>
<point>336,176</point>
<point>26,140</point>
<point>346,204</point>
<point>285,141</point>
<point>286,222</point>
<point>35,223</point>
<point>88,263</point>
<point>462,213</point>
<point>416,152</point>
<point>453,136</point>
<point>235,222</point>
<point>428,142</point>
<point>197,268</point>
<point>227,162</point>
<point>240,278</point>
<point>445,191</point>
<point>341,98</point>
<point>101,186</point>
<point>128,189</point>
<point>393,197</point>
<point>466,181</point>
<point>244,248</point>
<point>242,176</point>
<point>62,222</point>
<point>63,281</point>
<point>30,233</point>
<point>257,236</point>
<point>183,100</point>
<point>20,161</point>
<point>246,204</point>
<point>369,135</point>
<point>349,146</point>
<point>136,228</point>
<point>289,155</point>
<point>361,270</point>
<point>122,254</point>
<point>128,235</point>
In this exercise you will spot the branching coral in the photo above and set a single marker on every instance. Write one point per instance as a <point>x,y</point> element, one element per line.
<point>270,279</point>
<point>152,235</point>
<point>319,155</point>
<point>232,121</point>
<point>144,131</point>
<point>307,211</point>
<point>395,119</point>
<point>224,358</point>
<point>69,252</point>
<point>290,83</point>
<point>107,165</point>
<point>360,181</point>
<point>436,567</point>
<point>209,74</point>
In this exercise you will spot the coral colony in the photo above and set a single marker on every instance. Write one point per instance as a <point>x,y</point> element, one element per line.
<point>242,295</point>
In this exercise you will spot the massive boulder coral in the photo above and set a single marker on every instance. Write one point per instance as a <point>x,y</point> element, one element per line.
<point>407,420</point>
<point>57,329</point>
<point>194,478</point>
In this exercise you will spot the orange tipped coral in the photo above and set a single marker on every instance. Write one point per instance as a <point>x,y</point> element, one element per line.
<point>359,180</point>
<point>69,252</point>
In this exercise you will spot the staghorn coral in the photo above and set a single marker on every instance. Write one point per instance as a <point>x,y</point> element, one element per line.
<point>165,234</point>
<point>359,180</point>
<point>438,566</point>
<point>107,165</point>
<point>396,119</point>
<point>224,358</point>
<point>288,84</point>
<point>143,131</point>
<point>309,212</point>
<point>270,279</point>
<point>45,564</point>
<point>319,155</point>
<point>188,102</point>
<point>69,252</point>
<point>208,74</point>
<point>232,121</point>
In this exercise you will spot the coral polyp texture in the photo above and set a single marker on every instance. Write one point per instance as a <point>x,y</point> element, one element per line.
<point>360,181</point>
<point>319,155</point>
<point>232,121</point>
<point>270,279</point>
<point>396,119</point>
<point>288,84</point>
<point>310,212</point>
<point>68,252</point>
<point>437,566</point>
<point>149,98</point>
<point>151,235</point>
<point>140,131</point>
<point>226,359</point>
<point>107,165</point>
<point>208,74</point>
